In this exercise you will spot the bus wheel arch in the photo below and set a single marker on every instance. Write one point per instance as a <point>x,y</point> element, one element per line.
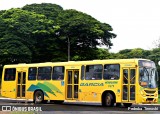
<point>38,96</point>
<point>108,98</point>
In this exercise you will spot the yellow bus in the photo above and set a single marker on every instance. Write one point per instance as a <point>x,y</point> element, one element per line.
<point>107,82</point>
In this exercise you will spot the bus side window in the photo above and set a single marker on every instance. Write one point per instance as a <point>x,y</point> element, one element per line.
<point>10,74</point>
<point>82,72</point>
<point>111,71</point>
<point>89,72</point>
<point>58,73</point>
<point>98,72</point>
<point>93,72</point>
<point>44,73</point>
<point>32,72</point>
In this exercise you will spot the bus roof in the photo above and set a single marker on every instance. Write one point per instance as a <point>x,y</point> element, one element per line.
<point>76,62</point>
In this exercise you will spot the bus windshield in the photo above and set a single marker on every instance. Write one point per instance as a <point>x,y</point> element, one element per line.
<point>148,77</point>
<point>148,74</point>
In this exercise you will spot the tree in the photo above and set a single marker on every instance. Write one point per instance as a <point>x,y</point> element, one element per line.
<point>32,30</point>
<point>103,54</point>
<point>132,53</point>
<point>51,11</point>
<point>78,30</point>
<point>13,51</point>
<point>83,32</point>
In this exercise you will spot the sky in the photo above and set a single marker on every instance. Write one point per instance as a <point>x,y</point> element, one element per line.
<point>135,22</point>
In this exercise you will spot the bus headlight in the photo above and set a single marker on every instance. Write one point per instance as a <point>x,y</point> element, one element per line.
<point>156,95</point>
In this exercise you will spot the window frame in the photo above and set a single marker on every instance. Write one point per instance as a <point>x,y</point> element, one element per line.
<point>43,76</point>
<point>13,74</point>
<point>92,77</point>
<point>112,72</point>
<point>55,76</point>
<point>35,74</point>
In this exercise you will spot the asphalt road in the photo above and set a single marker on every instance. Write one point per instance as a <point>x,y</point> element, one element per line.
<point>76,108</point>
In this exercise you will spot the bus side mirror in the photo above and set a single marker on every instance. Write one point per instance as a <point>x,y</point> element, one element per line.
<point>159,63</point>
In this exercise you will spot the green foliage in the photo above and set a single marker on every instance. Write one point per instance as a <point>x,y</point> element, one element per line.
<point>133,53</point>
<point>103,54</point>
<point>81,30</point>
<point>31,31</point>
<point>12,50</point>
<point>51,11</point>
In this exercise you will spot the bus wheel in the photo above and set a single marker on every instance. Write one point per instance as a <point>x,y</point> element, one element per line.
<point>38,97</point>
<point>109,101</point>
<point>127,104</point>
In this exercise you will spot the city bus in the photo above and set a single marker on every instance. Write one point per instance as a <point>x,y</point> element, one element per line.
<point>109,82</point>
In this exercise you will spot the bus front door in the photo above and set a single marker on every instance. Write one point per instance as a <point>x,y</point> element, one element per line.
<point>72,84</point>
<point>21,85</point>
<point>128,89</point>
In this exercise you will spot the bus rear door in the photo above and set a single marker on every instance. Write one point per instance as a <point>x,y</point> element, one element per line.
<point>72,84</point>
<point>128,86</point>
<point>21,84</point>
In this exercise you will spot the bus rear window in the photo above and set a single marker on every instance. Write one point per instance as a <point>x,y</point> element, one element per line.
<point>9,74</point>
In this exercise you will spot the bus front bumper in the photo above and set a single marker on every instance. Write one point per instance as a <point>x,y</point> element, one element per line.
<point>149,100</point>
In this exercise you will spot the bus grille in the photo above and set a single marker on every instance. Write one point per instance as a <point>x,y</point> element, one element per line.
<point>150,92</point>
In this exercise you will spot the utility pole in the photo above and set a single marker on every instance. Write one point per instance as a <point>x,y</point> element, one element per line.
<point>68,49</point>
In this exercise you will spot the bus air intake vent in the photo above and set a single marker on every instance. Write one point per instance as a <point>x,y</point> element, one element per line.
<point>149,99</point>
<point>150,92</point>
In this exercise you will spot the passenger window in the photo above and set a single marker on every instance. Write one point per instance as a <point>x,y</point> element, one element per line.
<point>111,71</point>
<point>44,73</point>
<point>132,74</point>
<point>93,72</point>
<point>9,74</point>
<point>58,73</point>
<point>32,72</point>
<point>82,72</point>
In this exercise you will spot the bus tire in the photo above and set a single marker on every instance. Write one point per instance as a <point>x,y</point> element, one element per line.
<point>38,97</point>
<point>108,100</point>
<point>127,105</point>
